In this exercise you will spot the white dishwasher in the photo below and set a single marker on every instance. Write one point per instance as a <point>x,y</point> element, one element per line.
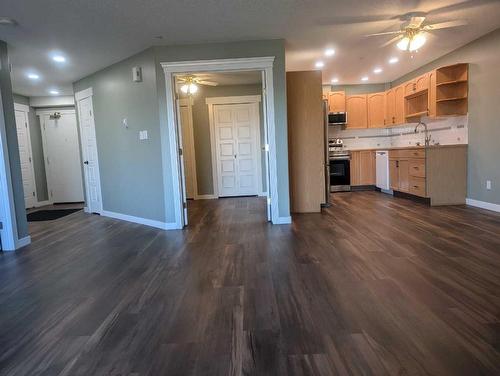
<point>382,169</point>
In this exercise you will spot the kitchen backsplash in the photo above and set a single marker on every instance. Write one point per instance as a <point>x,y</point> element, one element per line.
<point>446,131</point>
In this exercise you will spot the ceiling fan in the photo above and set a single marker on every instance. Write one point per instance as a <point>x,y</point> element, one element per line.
<point>189,84</point>
<point>412,34</point>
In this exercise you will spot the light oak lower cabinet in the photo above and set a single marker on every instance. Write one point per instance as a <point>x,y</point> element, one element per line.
<point>362,168</point>
<point>438,173</point>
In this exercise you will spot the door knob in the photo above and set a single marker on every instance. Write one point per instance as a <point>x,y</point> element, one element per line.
<point>86,162</point>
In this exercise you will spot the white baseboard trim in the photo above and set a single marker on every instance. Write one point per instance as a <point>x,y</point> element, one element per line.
<point>483,205</point>
<point>43,203</point>
<point>23,242</point>
<point>139,220</point>
<point>263,194</point>
<point>283,221</point>
<point>206,197</point>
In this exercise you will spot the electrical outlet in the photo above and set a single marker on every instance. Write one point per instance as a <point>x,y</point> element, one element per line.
<point>488,185</point>
<point>143,135</point>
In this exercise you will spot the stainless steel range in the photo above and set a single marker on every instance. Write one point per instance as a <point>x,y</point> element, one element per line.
<point>339,162</point>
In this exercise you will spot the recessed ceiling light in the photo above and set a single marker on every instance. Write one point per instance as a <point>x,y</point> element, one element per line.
<point>319,64</point>
<point>335,80</point>
<point>365,78</point>
<point>393,60</point>
<point>59,58</point>
<point>33,76</point>
<point>377,70</point>
<point>329,52</point>
<point>8,21</point>
<point>54,92</point>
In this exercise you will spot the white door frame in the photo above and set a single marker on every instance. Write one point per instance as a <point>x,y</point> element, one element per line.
<point>188,102</point>
<point>8,232</point>
<point>242,99</point>
<point>26,110</point>
<point>86,93</point>
<point>264,64</point>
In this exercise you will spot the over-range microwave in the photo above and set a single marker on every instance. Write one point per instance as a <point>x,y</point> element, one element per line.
<point>335,118</point>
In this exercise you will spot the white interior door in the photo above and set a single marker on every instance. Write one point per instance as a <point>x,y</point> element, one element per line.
<point>237,147</point>
<point>62,158</point>
<point>89,154</point>
<point>186,119</point>
<point>25,155</point>
<point>182,163</point>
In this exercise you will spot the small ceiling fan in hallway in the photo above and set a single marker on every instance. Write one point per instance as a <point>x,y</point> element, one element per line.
<point>189,84</point>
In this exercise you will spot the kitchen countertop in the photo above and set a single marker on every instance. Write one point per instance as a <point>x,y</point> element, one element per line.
<point>409,147</point>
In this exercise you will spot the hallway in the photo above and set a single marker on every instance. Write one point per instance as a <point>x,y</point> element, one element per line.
<point>374,285</point>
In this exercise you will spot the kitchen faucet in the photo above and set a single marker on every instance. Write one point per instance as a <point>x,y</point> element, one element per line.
<point>427,135</point>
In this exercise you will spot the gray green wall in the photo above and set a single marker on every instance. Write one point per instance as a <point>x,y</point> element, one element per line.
<point>201,126</point>
<point>36,148</point>
<point>11,135</point>
<point>483,56</point>
<point>131,170</point>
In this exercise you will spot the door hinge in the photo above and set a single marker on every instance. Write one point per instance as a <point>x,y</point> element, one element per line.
<point>184,205</point>
<point>180,151</point>
<point>33,194</point>
<point>90,112</point>
<point>26,125</point>
<point>29,159</point>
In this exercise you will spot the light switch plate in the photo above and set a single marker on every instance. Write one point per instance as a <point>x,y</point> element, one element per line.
<point>488,185</point>
<point>143,135</point>
<point>125,123</point>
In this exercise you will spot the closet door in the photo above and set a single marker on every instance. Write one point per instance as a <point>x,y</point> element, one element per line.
<point>237,148</point>
<point>25,156</point>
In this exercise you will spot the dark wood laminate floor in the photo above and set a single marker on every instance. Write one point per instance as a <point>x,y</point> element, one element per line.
<point>375,285</point>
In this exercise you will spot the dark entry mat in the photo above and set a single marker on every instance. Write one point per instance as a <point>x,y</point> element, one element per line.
<point>49,215</point>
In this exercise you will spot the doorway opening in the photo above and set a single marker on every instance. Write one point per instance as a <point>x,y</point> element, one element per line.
<point>221,131</point>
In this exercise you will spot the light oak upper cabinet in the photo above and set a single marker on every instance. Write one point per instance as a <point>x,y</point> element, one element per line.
<point>399,97</point>
<point>422,82</point>
<point>376,113</point>
<point>409,87</point>
<point>390,107</point>
<point>336,101</point>
<point>357,114</point>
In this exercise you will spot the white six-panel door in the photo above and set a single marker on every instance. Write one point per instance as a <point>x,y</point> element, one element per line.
<point>26,159</point>
<point>89,155</point>
<point>237,147</point>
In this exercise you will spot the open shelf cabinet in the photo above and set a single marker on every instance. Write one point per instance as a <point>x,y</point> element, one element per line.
<point>452,90</point>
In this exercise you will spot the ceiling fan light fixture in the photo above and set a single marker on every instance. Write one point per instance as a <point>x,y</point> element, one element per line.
<point>404,43</point>
<point>185,88</point>
<point>416,42</point>
<point>193,88</point>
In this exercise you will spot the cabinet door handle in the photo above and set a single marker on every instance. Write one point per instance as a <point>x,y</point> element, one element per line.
<point>397,163</point>
<point>415,186</point>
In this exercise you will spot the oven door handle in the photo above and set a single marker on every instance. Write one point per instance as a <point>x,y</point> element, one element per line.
<point>340,158</point>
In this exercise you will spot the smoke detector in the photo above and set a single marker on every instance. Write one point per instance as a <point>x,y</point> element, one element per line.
<point>8,21</point>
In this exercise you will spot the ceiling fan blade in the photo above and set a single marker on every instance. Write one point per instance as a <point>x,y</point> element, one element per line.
<point>385,33</point>
<point>396,38</point>
<point>445,25</point>
<point>351,20</point>
<point>463,5</point>
<point>415,22</point>
<point>207,83</point>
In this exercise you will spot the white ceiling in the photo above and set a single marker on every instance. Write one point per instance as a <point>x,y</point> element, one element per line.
<point>93,34</point>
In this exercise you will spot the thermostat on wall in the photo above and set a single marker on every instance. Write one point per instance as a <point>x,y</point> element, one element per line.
<point>136,74</point>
